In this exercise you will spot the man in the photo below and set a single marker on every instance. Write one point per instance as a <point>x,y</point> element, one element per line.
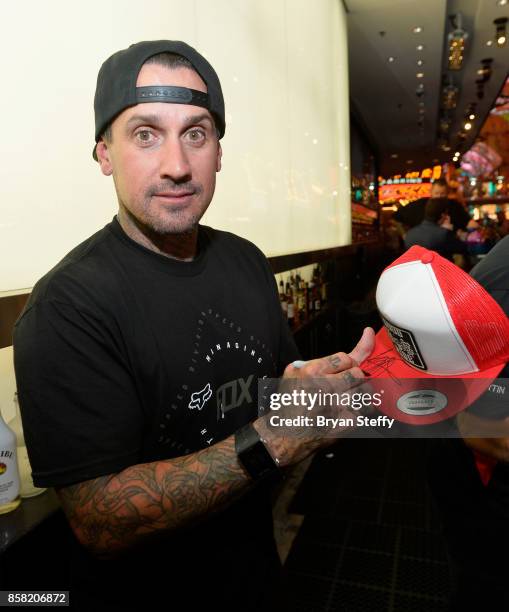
<point>137,360</point>
<point>435,232</point>
<point>412,214</point>
<point>470,477</point>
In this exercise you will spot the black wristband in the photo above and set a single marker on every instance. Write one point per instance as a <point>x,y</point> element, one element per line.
<point>253,454</point>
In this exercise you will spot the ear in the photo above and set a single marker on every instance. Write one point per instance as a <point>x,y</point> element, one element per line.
<point>219,155</point>
<point>103,157</point>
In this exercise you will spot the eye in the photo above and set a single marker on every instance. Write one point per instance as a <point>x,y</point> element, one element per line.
<point>144,136</point>
<point>196,135</point>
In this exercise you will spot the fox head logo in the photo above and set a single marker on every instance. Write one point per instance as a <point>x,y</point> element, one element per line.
<point>200,398</point>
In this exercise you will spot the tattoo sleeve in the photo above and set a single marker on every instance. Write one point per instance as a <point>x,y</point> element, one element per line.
<point>115,512</point>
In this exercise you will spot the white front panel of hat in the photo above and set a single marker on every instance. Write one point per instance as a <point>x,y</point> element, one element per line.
<point>409,297</point>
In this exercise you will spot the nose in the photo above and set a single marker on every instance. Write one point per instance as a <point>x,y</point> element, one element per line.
<point>174,162</point>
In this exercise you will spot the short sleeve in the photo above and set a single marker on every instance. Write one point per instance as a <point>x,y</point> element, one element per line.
<point>79,407</point>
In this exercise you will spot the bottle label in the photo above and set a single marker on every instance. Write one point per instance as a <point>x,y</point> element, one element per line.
<point>317,304</point>
<point>9,478</point>
<point>290,311</point>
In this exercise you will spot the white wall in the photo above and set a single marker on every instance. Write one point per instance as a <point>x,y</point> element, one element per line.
<point>285,181</point>
<point>7,384</point>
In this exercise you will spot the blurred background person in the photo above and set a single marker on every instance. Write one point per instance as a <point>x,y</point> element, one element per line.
<point>436,231</point>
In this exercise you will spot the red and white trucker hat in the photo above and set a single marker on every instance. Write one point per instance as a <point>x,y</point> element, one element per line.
<point>444,338</point>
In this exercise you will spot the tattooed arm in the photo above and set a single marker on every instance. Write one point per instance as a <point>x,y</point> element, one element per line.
<point>115,512</point>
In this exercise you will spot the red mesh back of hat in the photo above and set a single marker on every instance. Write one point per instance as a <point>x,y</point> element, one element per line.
<point>480,321</point>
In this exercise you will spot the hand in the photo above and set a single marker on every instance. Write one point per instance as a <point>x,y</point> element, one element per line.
<point>338,364</point>
<point>337,373</point>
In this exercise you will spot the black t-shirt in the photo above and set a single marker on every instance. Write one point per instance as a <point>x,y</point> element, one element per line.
<point>124,356</point>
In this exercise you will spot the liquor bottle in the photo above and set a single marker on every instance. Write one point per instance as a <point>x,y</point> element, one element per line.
<point>27,487</point>
<point>291,306</point>
<point>323,285</point>
<point>9,475</point>
<point>311,301</point>
<point>282,296</point>
<point>303,304</point>
<point>316,298</point>
<point>292,281</point>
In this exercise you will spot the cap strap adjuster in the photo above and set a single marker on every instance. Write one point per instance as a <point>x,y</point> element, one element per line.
<point>171,93</point>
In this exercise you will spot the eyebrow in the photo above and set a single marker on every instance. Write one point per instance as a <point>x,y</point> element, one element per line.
<point>155,120</point>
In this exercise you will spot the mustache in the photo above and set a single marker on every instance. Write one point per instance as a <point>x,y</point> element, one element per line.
<point>175,187</point>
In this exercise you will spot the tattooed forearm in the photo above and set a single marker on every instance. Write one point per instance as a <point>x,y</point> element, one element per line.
<point>115,512</point>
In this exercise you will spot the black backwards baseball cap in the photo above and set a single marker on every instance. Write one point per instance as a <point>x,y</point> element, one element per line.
<point>116,84</point>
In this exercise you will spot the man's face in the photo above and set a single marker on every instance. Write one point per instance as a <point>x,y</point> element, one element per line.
<point>438,191</point>
<point>163,157</point>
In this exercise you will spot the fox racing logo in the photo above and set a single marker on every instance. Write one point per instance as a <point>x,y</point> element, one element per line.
<point>200,398</point>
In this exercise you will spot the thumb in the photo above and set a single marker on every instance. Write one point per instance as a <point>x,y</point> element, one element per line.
<point>365,346</point>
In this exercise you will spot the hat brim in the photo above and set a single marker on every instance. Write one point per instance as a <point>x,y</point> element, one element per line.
<point>398,380</point>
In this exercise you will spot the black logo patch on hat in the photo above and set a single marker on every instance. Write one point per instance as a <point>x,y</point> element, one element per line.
<point>405,344</point>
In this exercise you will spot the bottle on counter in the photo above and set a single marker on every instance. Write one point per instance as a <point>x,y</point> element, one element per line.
<point>323,285</point>
<point>282,296</point>
<point>290,305</point>
<point>9,475</point>
<point>310,297</point>
<point>27,487</point>
<point>303,301</point>
<point>316,297</point>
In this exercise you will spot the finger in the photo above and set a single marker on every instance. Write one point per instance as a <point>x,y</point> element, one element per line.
<point>331,364</point>
<point>351,378</point>
<point>364,347</point>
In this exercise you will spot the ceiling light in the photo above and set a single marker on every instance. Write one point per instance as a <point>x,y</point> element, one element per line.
<point>409,161</point>
<point>489,43</point>
<point>502,2</point>
<point>391,59</point>
<point>420,47</point>
<point>450,97</point>
<point>444,125</point>
<point>457,154</point>
<point>419,75</point>
<point>420,62</point>
<point>468,126</point>
<point>485,71</point>
<point>456,40</point>
<point>417,30</point>
<point>471,116</point>
<point>394,155</point>
<point>500,35</point>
